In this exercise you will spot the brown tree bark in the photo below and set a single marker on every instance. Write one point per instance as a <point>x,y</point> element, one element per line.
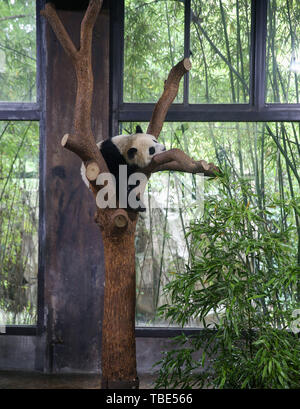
<point>117,225</point>
<point>118,351</point>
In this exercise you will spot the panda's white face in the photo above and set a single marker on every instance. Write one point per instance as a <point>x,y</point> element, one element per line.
<point>144,147</point>
<point>138,149</point>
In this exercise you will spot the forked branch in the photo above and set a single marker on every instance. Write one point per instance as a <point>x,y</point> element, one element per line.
<point>82,141</point>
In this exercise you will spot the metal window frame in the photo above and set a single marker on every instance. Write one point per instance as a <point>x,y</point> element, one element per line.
<point>22,111</point>
<point>257,110</point>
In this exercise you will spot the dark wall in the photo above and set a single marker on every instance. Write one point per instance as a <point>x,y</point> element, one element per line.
<point>74,268</point>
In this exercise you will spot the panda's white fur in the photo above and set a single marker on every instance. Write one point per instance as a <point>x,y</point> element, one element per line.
<point>137,150</point>
<point>142,142</point>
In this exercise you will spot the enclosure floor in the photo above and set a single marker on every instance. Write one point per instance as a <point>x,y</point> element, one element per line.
<point>34,380</point>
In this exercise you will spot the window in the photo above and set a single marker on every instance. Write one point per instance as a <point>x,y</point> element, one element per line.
<point>21,166</point>
<point>154,41</point>
<point>17,51</point>
<point>19,186</point>
<point>283,52</point>
<point>238,106</point>
<point>221,70</point>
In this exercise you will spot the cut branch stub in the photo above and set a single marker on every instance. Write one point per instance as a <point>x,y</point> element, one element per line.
<point>82,148</point>
<point>168,96</point>
<point>92,171</point>
<point>87,151</point>
<point>120,218</point>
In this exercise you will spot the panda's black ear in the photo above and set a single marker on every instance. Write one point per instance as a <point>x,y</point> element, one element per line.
<point>131,152</point>
<point>138,129</point>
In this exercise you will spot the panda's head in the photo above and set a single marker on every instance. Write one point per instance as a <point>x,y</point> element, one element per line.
<point>140,148</point>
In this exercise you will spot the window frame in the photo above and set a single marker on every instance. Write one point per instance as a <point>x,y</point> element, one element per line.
<point>34,111</point>
<point>257,110</point>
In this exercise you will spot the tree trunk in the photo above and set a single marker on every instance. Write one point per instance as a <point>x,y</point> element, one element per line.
<point>118,326</point>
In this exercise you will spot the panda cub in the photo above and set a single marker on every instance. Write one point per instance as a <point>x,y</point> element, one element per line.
<point>135,151</point>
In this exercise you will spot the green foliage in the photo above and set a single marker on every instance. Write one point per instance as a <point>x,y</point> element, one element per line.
<point>220,39</point>
<point>19,149</point>
<point>19,146</point>
<point>242,284</point>
<point>17,50</point>
<point>220,46</point>
<point>283,41</point>
<point>265,155</point>
<point>154,39</point>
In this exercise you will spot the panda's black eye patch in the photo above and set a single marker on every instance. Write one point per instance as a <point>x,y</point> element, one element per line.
<point>151,150</point>
<point>131,152</point>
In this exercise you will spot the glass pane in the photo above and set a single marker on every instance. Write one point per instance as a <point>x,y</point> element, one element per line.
<point>19,184</point>
<point>283,51</point>
<point>220,51</point>
<point>265,160</point>
<point>154,42</point>
<point>17,51</point>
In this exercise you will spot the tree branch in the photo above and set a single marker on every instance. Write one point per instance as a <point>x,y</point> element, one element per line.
<point>14,17</point>
<point>168,96</point>
<point>61,33</point>
<point>88,22</point>
<point>176,159</point>
<point>86,150</point>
